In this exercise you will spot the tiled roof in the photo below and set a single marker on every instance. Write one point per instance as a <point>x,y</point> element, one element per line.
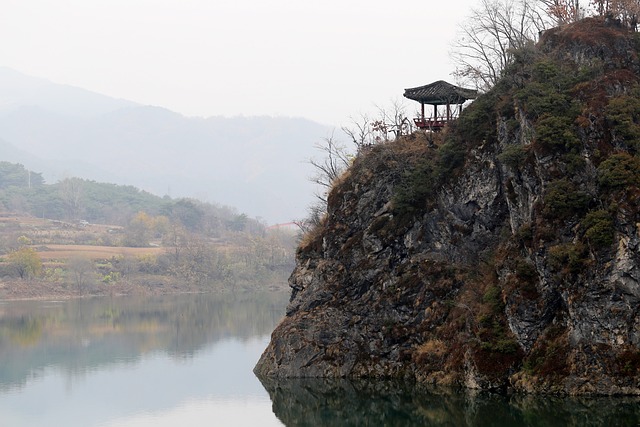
<point>440,93</point>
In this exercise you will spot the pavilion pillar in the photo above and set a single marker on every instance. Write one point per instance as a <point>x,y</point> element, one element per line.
<point>422,105</point>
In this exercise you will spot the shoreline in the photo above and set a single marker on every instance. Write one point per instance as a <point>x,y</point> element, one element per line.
<point>42,291</point>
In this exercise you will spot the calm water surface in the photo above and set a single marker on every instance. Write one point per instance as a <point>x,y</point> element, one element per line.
<point>187,361</point>
<point>163,361</point>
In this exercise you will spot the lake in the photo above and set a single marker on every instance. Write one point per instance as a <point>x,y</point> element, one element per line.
<point>161,361</point>
<point>187,360</point>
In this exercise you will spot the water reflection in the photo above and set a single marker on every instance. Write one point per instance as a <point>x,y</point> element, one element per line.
<point>312,402</point>
<point>81,336</point>
<point>187,360</point>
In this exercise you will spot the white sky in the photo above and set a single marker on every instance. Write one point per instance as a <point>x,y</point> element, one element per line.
<point>325,60</point>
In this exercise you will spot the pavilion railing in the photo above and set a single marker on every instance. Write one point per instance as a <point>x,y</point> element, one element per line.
<point>431,123</point>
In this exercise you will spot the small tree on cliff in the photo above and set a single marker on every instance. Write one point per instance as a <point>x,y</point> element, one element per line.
<point>335,161</point>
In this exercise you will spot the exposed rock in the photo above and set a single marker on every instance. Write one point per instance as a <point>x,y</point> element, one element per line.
<point>501,254</point>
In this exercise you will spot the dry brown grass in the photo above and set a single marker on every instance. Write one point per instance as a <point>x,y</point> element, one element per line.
<point>312,239</point>
<point>434,348</point>
<point>588,31</point>
<point>65,252</point>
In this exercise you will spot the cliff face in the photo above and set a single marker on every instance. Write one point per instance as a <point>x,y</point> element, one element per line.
<point>501,253</point>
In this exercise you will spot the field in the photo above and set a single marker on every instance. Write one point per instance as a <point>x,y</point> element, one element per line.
<point>58,241</point>
<point>53,253</point>
<point>48,231</point>
<point>80,259</point>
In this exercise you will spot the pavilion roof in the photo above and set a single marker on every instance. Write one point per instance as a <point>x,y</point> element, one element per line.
<point>440,93</point>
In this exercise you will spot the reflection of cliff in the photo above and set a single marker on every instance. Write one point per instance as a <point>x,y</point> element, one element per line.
<point>80,335</point>
<point>339,402</point>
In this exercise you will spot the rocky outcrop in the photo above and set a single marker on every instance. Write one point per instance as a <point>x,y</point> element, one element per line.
<point>500,254</point>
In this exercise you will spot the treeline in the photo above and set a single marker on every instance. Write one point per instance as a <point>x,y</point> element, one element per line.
<point>189,262</point>
<point>75,199</point>
<point>202,244</point>
<point>72,199</point>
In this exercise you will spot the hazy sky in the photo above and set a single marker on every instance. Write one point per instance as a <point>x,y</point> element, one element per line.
<point>321,59</point>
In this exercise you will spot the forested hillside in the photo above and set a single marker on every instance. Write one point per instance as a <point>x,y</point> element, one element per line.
<point>83,233</point>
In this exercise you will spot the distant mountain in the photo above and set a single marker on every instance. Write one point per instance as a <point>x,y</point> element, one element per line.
<point>19,90</point>
<point>257,164</point>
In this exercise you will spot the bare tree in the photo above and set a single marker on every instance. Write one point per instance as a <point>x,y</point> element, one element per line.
<point>600,6</point>
<point>489,37</point>
<point>71,195</point>
<point>626,11</point>
<point>192,257</point>
<point>393,120</point>
<point>80,267</point>
<point>562,11</point>
<point>360,132</point>
<point>336,160</point>
<point>390,123</point>
<point>364,133</point>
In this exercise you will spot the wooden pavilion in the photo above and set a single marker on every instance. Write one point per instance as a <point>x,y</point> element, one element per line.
<point>437,94</point>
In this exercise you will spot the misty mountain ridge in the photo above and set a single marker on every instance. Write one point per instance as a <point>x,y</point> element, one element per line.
<point>256,164</point>
<point>17,89</point>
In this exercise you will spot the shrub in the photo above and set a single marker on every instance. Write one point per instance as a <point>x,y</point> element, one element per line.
<point>450,157</point>
<point>525,271</point>
<point>599,228</point>
<point>417,186</point>
<point>619,171</point>
<point>428,174</point>
<point>623,115</point>
<point>513,155</point>
<point>431,351</point>
<point>525,233</point>
<point>556,132</point>
<point>312,239</point>
<point>542,98</point>
<point>545,70</point>
<point>575,163</point>
<point>567,258</point>
<point>478,121</point>
<point>501,345</point>
<point>549,357</point>
<point>492,298</point>
<point>25,262</point>
<point>562,200</point>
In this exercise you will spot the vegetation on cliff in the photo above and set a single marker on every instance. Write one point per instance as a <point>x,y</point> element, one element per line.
<point>501,253</point>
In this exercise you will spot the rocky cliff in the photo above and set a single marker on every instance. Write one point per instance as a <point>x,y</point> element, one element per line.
<point>502,253</point>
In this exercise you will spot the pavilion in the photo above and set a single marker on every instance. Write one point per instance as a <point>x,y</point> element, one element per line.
<point>436,94</point>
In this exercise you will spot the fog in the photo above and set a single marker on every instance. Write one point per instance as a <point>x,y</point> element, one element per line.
<point>323,60</point>
<point>219,101</point>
